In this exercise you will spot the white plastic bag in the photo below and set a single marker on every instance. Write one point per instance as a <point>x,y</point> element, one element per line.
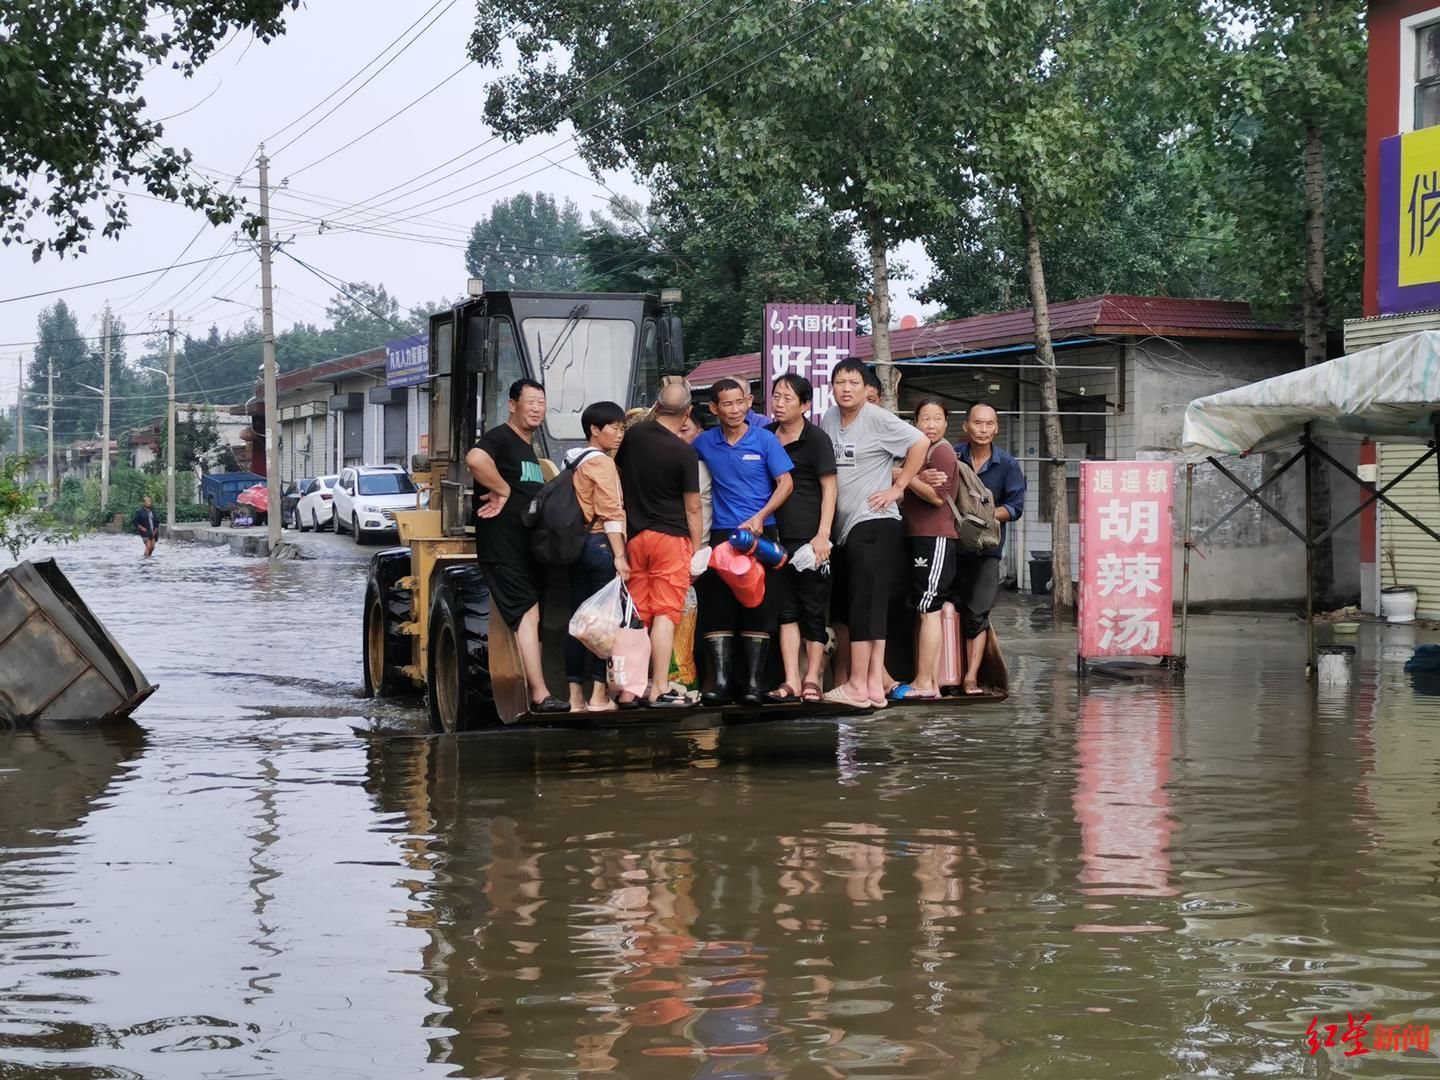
<point>596,621</point>
<point>700,561</point>
<point>804,558</point>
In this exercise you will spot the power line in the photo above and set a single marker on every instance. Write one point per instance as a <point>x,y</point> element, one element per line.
<point>345,292</point>
<point>382,123</point>
<point>118,277</point>
<point>368,81</point>
<point>397,216</point>
<point>372,202</point>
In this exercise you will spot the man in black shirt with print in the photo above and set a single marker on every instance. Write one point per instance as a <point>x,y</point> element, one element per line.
<point>806,518</point>
<point>507,476</point>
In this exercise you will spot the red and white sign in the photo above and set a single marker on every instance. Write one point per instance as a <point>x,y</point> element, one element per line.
<point>1125,558</point>
<point>808,340</point>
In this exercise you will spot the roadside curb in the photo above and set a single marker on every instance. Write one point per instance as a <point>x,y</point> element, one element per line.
<point>254,545</point>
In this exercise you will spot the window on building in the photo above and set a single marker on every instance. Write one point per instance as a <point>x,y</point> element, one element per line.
<point>1427,75</point>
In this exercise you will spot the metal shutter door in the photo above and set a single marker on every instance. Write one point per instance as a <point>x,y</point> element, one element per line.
<point>1416,556</point>
<point>354,434</point>
<point>395,434</point>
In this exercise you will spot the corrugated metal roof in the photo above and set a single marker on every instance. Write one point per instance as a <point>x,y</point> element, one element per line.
<point>1383,329</point>
<point>1095,315</point>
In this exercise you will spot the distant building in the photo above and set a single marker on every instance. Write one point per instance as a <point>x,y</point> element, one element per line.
<point>370,408</point>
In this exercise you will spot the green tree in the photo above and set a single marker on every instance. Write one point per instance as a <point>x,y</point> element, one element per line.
<point>837,101</point>
<point>1053,137</point>
<point>1292,155</point>
<point>527,242</point>
<point>73,128</point>
<point>784,250</point>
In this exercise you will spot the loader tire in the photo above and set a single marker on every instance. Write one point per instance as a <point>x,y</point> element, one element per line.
<point>387,649</point>
<point>460,694</point>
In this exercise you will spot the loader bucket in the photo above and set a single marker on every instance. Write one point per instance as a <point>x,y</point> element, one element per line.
<point>56,661</point>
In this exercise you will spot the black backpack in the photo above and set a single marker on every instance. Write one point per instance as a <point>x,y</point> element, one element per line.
<point>558,527</point>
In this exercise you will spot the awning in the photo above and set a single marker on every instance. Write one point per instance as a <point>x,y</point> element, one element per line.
<point>1389,392</point>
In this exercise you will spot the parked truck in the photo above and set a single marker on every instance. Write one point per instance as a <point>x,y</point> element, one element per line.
<point>218,491</point>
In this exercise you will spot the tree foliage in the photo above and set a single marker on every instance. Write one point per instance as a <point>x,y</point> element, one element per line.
<point>73,128</point>
<point>727,270</point>
<point>529,241</point>
<point>837,101</point>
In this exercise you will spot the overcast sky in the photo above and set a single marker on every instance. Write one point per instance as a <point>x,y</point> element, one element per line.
<point>251,92</point>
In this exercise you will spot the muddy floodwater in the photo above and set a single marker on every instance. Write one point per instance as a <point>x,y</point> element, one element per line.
<point>1107,881</point>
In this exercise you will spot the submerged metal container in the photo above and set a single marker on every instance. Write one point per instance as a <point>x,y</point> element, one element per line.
<point>56,661</point>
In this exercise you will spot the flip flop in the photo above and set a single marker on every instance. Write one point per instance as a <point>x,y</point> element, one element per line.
<point>810,692</point>
<point>607,707</point>
<point>881,704</point>
<point>838,696</point>
<point>911,694</point>
<point>899,692</point>
<point>551,704</point>
<point>973,691</point>
<point>783,692</point>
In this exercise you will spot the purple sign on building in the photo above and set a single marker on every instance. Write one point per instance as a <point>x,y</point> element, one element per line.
<point>808,340</point>
<point>407,361</point>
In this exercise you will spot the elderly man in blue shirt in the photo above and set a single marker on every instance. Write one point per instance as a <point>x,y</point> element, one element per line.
<point>977,577</point>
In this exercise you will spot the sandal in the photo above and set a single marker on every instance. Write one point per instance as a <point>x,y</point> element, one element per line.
<point>783,692</point>
<point>671,699</point>
<point>838,696</point>
<point>973,691</point>
<point>609,706</point>
<point>899,692</point>
<point>810,693</point>
<point>551,704</point>
<point>911,694</point>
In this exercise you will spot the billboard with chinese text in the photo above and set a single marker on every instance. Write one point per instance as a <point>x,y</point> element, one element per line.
<point>407,361</point>
<point>1409,242</point>
<point>808,340</point>
<point>1125,558</point>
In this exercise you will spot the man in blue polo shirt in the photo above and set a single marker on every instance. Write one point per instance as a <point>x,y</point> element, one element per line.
<point>749,480</point>
<point>977,577</point>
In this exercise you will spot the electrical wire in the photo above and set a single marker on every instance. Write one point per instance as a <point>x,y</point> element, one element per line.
<point>368,81</point>
<point>382,123</point>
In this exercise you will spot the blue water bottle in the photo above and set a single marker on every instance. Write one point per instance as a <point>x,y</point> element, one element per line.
<point>767,553</point>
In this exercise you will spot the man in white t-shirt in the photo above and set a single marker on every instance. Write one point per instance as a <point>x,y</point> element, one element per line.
<point>869,542</point>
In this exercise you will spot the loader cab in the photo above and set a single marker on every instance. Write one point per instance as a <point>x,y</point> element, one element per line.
<point>582,347</point>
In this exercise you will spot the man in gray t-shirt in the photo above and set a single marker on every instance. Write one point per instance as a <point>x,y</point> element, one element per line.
<point>870,545</point>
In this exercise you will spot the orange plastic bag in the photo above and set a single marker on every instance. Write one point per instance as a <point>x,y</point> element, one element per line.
<point>742,573</point>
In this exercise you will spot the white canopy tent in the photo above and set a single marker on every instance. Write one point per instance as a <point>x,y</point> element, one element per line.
<point>1390,392</point>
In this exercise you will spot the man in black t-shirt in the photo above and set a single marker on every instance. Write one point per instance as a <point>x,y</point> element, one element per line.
<point>507,475</point>
<point>660,474</point>
<point>806,518</point>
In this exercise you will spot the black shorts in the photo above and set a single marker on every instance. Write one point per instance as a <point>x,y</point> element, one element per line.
<point>867,573</point>
<point>514,588</point>
<point>977,580</point>
<point>932,572</point>
<point>801,597</point>
<point>719,612</point>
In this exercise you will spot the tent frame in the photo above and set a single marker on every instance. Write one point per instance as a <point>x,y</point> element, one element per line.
<point>1309,449</point>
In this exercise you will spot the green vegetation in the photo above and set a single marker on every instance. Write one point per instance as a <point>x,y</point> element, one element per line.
<point>79,502</point>
<point>71,112</point>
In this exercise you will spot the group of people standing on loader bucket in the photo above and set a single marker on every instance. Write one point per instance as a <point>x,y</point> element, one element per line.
<point>836,513</point>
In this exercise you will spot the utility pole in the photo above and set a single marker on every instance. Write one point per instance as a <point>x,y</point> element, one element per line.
<point>50,432</point>
<point>20,414</point>
<point>267,327</point>
<point>170,438</point>
<point>105,423</point>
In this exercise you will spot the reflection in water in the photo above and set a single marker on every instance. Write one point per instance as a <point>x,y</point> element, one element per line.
<point>1089,881</point>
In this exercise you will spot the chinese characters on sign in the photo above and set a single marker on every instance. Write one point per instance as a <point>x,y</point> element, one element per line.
<point>407,361</point>
<point>1388,1037</point>
<point>808,340</point>
<point>1125,558</point>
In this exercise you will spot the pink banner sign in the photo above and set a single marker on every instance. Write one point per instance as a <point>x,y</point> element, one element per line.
<point>1125,558</point>
<point>808,340</point>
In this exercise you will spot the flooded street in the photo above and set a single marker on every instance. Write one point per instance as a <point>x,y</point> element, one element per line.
<point>1112,881</point>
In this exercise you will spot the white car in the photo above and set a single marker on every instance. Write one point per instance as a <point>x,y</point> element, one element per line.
<point>367,497</point>
<point>316,508</point>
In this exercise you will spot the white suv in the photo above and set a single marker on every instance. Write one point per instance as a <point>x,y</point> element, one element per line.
<point>367,496</point>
